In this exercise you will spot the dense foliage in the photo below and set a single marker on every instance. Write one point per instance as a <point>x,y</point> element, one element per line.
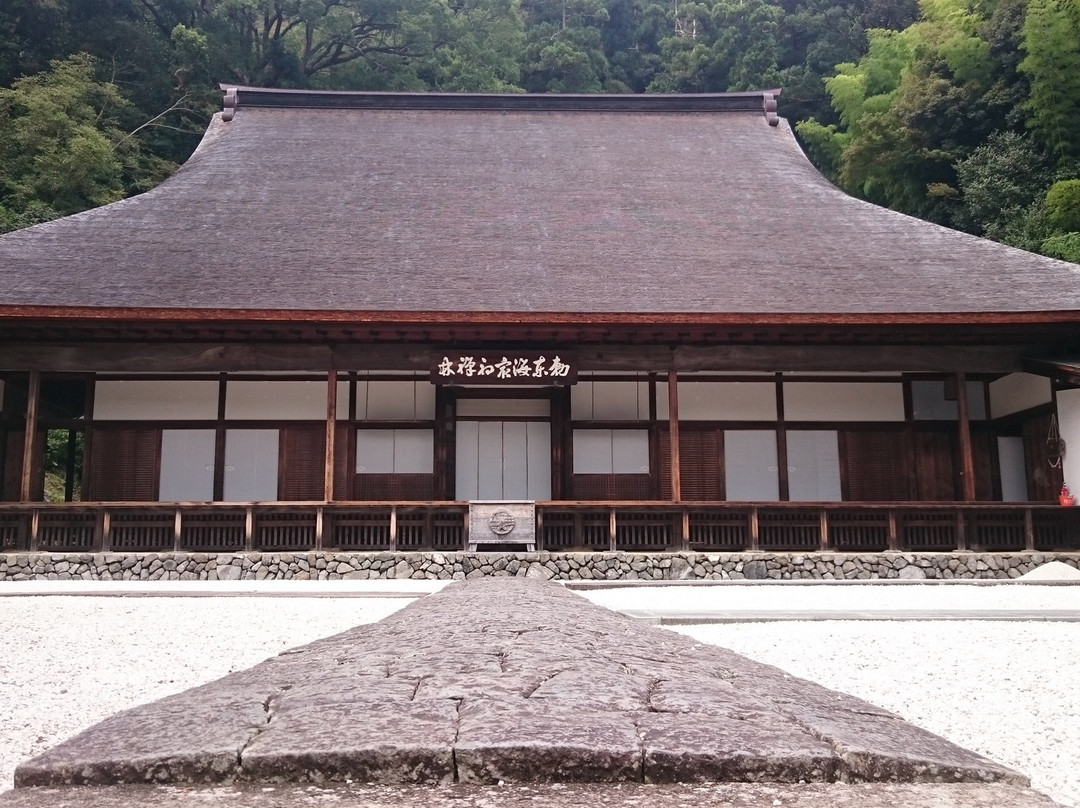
<point>964,112</point>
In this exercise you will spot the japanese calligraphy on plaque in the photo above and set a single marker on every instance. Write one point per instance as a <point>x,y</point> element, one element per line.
<point>488,367</point>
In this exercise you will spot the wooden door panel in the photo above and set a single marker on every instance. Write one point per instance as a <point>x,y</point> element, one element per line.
<point>874,466</point>
<point>125,464</point>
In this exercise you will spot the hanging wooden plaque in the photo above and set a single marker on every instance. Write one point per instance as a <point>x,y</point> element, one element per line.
<point>504,367</point>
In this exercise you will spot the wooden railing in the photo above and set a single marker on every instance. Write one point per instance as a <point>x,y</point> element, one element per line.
<point>561,527</point>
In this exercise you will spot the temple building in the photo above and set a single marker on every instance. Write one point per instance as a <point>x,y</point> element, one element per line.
<point>647,318</point>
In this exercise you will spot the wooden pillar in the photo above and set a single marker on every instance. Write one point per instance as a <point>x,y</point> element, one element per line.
<point>219,441</point>
<point>673,433</point>
<point>331,434</point>
<point>30,435</point>
<point>782,470</point>
<point>967,457</point>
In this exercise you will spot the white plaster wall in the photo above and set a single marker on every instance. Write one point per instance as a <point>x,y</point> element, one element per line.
<point>724,401</point>
<point>155,400</point>
<point>1017,392</point>
<point>843,401</point>
<point>395,401</point>
<point>610,401</point>
<point>1068,407</point>
<point>286,401</point>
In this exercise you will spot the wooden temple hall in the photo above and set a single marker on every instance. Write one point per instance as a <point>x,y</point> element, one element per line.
<point>638,323</point>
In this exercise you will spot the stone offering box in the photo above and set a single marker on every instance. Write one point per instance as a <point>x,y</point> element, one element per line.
<point>502,522</point>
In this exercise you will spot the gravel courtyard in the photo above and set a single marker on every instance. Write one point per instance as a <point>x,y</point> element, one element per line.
<point>1004,689</point>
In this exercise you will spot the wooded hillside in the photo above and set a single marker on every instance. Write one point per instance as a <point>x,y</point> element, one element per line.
<point>967,114</point>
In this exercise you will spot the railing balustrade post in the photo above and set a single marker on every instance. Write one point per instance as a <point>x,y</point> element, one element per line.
<point>320,527</point>
<point>894,532</point>
<point>249,530</point>
<point>755,531</point>
<point>961,531</point>
<point>35,530</point>
<point>178,530</point>
<point>823,525</point>
<point>105,531</point>
<point>393,528</point>
<point>1029,531</point>
<point>684,523</point>
<point>612,531</point>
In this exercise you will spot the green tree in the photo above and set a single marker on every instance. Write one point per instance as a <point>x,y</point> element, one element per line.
<point>909,110</point>
<point>31,33</point>
<point>1065,246</point>
<point>564,51</point>
<point>1062,205</point>
<point>1052,63</point>
<point>998,182</point>
<point>478,48</point>
<point>61,147</point>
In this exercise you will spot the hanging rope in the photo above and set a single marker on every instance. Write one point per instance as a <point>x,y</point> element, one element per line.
<point>1055,446</point>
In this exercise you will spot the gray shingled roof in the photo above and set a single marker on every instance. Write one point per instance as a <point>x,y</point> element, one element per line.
<point>421,208</point>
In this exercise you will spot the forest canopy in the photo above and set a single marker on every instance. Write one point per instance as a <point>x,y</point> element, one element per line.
<point>963,113</point>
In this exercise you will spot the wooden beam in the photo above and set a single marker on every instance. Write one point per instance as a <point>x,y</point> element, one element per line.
<point>30,435</point>
<point>967,456</point>
<point>166,358</point>
<point>125,357</point>
<point>846,358</point>
<point>673,431</point>
<point>331,434</point>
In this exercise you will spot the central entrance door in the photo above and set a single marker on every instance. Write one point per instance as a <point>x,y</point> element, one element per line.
<point>503,449</point>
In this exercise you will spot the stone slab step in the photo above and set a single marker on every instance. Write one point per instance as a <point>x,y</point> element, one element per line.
<point>512,680</point>
<point>564,795</point>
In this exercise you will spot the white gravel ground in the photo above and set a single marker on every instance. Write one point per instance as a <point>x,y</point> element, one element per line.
<point>1005,689</point>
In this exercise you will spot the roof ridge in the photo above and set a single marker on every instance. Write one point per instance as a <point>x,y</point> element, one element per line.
<point>763,101</point>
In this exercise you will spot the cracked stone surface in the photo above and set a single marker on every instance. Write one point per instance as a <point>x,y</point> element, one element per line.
<point>506,680</point>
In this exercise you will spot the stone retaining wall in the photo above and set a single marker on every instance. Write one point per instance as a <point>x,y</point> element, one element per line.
<point>562,566</point>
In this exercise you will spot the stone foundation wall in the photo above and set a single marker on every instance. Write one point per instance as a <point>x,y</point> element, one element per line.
<point>561,566</point>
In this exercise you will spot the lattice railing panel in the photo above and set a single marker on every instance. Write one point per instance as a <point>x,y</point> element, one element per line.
<point>213,531</point>
<point>1057,529</point>
<point>367,529</point>
<point>932,531</point>
<point>14,532</point>
<point>645,531</point>
<point>557,530</point>
<point>997,531</point>
<point>789,530</point>
<point>576,530</point>
<point>285,531</point>
<point>68,531</point>
<point>131,531</point>
<point>727,530</point>
<point>858,531</point>
<point>448,530</point>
